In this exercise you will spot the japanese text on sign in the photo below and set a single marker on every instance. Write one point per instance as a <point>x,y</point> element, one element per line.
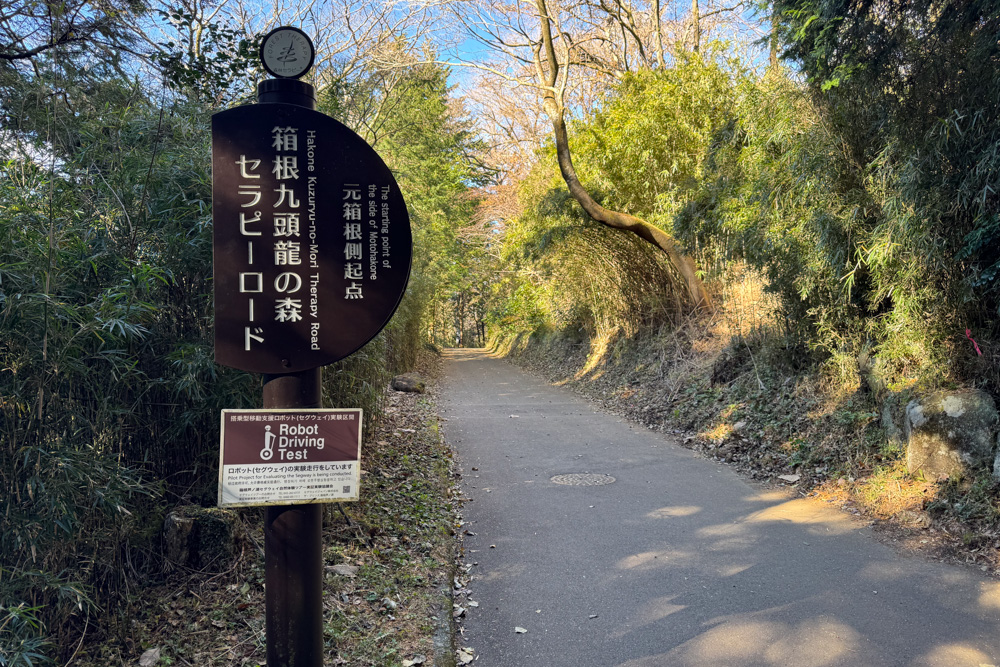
<point>285,237</point>
<point>289,456</point>
<point>311,233</point>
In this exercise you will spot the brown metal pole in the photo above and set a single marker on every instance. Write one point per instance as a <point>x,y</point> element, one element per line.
<point>293,550</point>
<point>293,534</point>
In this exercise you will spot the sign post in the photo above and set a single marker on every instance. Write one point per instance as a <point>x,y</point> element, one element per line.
<point>312,251</point>
<point>293,550</point>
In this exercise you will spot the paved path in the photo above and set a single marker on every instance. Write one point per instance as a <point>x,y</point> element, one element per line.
<point>678,562</point>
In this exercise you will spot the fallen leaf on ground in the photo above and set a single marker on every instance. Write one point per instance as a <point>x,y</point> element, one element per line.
<point>150,658</point>
<point>344,570</point>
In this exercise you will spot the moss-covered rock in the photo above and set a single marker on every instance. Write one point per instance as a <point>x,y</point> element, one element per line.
<point>950,432</point>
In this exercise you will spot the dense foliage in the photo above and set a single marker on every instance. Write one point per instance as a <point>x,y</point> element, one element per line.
<point>908,90</point>
<point>109,394</point>
<point>843,203</point>
<point>109,384</point>
<point>871,214</point>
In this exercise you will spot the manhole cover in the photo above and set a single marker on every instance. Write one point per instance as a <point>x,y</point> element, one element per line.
<point>583,479</point>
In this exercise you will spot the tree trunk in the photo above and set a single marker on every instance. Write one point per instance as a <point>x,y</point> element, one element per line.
<point>774,38</point>
<point>659,35</point>
<point>461,319</point>
<point>434,318</point>
<point>695,26</point>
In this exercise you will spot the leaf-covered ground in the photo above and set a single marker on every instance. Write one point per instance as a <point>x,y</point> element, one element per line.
<point>389,569</point>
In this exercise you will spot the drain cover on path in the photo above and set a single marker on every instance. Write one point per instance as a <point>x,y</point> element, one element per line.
<point>582,479</point>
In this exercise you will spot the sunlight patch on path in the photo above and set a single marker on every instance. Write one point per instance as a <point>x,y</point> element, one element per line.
<point>812,643</point>
<point>806,511</point>
<point>990,596</point>
<point>954,655</point>
<point>650,612</point>
<point>672,512</point>
<point>651,560</point>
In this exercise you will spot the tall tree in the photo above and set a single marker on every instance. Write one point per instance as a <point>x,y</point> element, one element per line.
<point>554,71</point>
<point>546,43</point>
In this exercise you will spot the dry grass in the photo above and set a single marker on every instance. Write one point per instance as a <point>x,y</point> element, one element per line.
<point>888,493</point>
<point>745,309</point>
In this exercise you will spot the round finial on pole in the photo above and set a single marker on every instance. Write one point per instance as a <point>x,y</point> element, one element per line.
<point>287,52</point>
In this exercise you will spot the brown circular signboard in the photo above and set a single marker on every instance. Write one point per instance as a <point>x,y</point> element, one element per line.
<point>312,239</point>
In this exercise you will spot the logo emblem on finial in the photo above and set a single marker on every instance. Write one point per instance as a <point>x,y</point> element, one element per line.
<point>287,52</point>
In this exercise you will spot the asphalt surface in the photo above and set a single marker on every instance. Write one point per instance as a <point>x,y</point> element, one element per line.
<point>677,562</point>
